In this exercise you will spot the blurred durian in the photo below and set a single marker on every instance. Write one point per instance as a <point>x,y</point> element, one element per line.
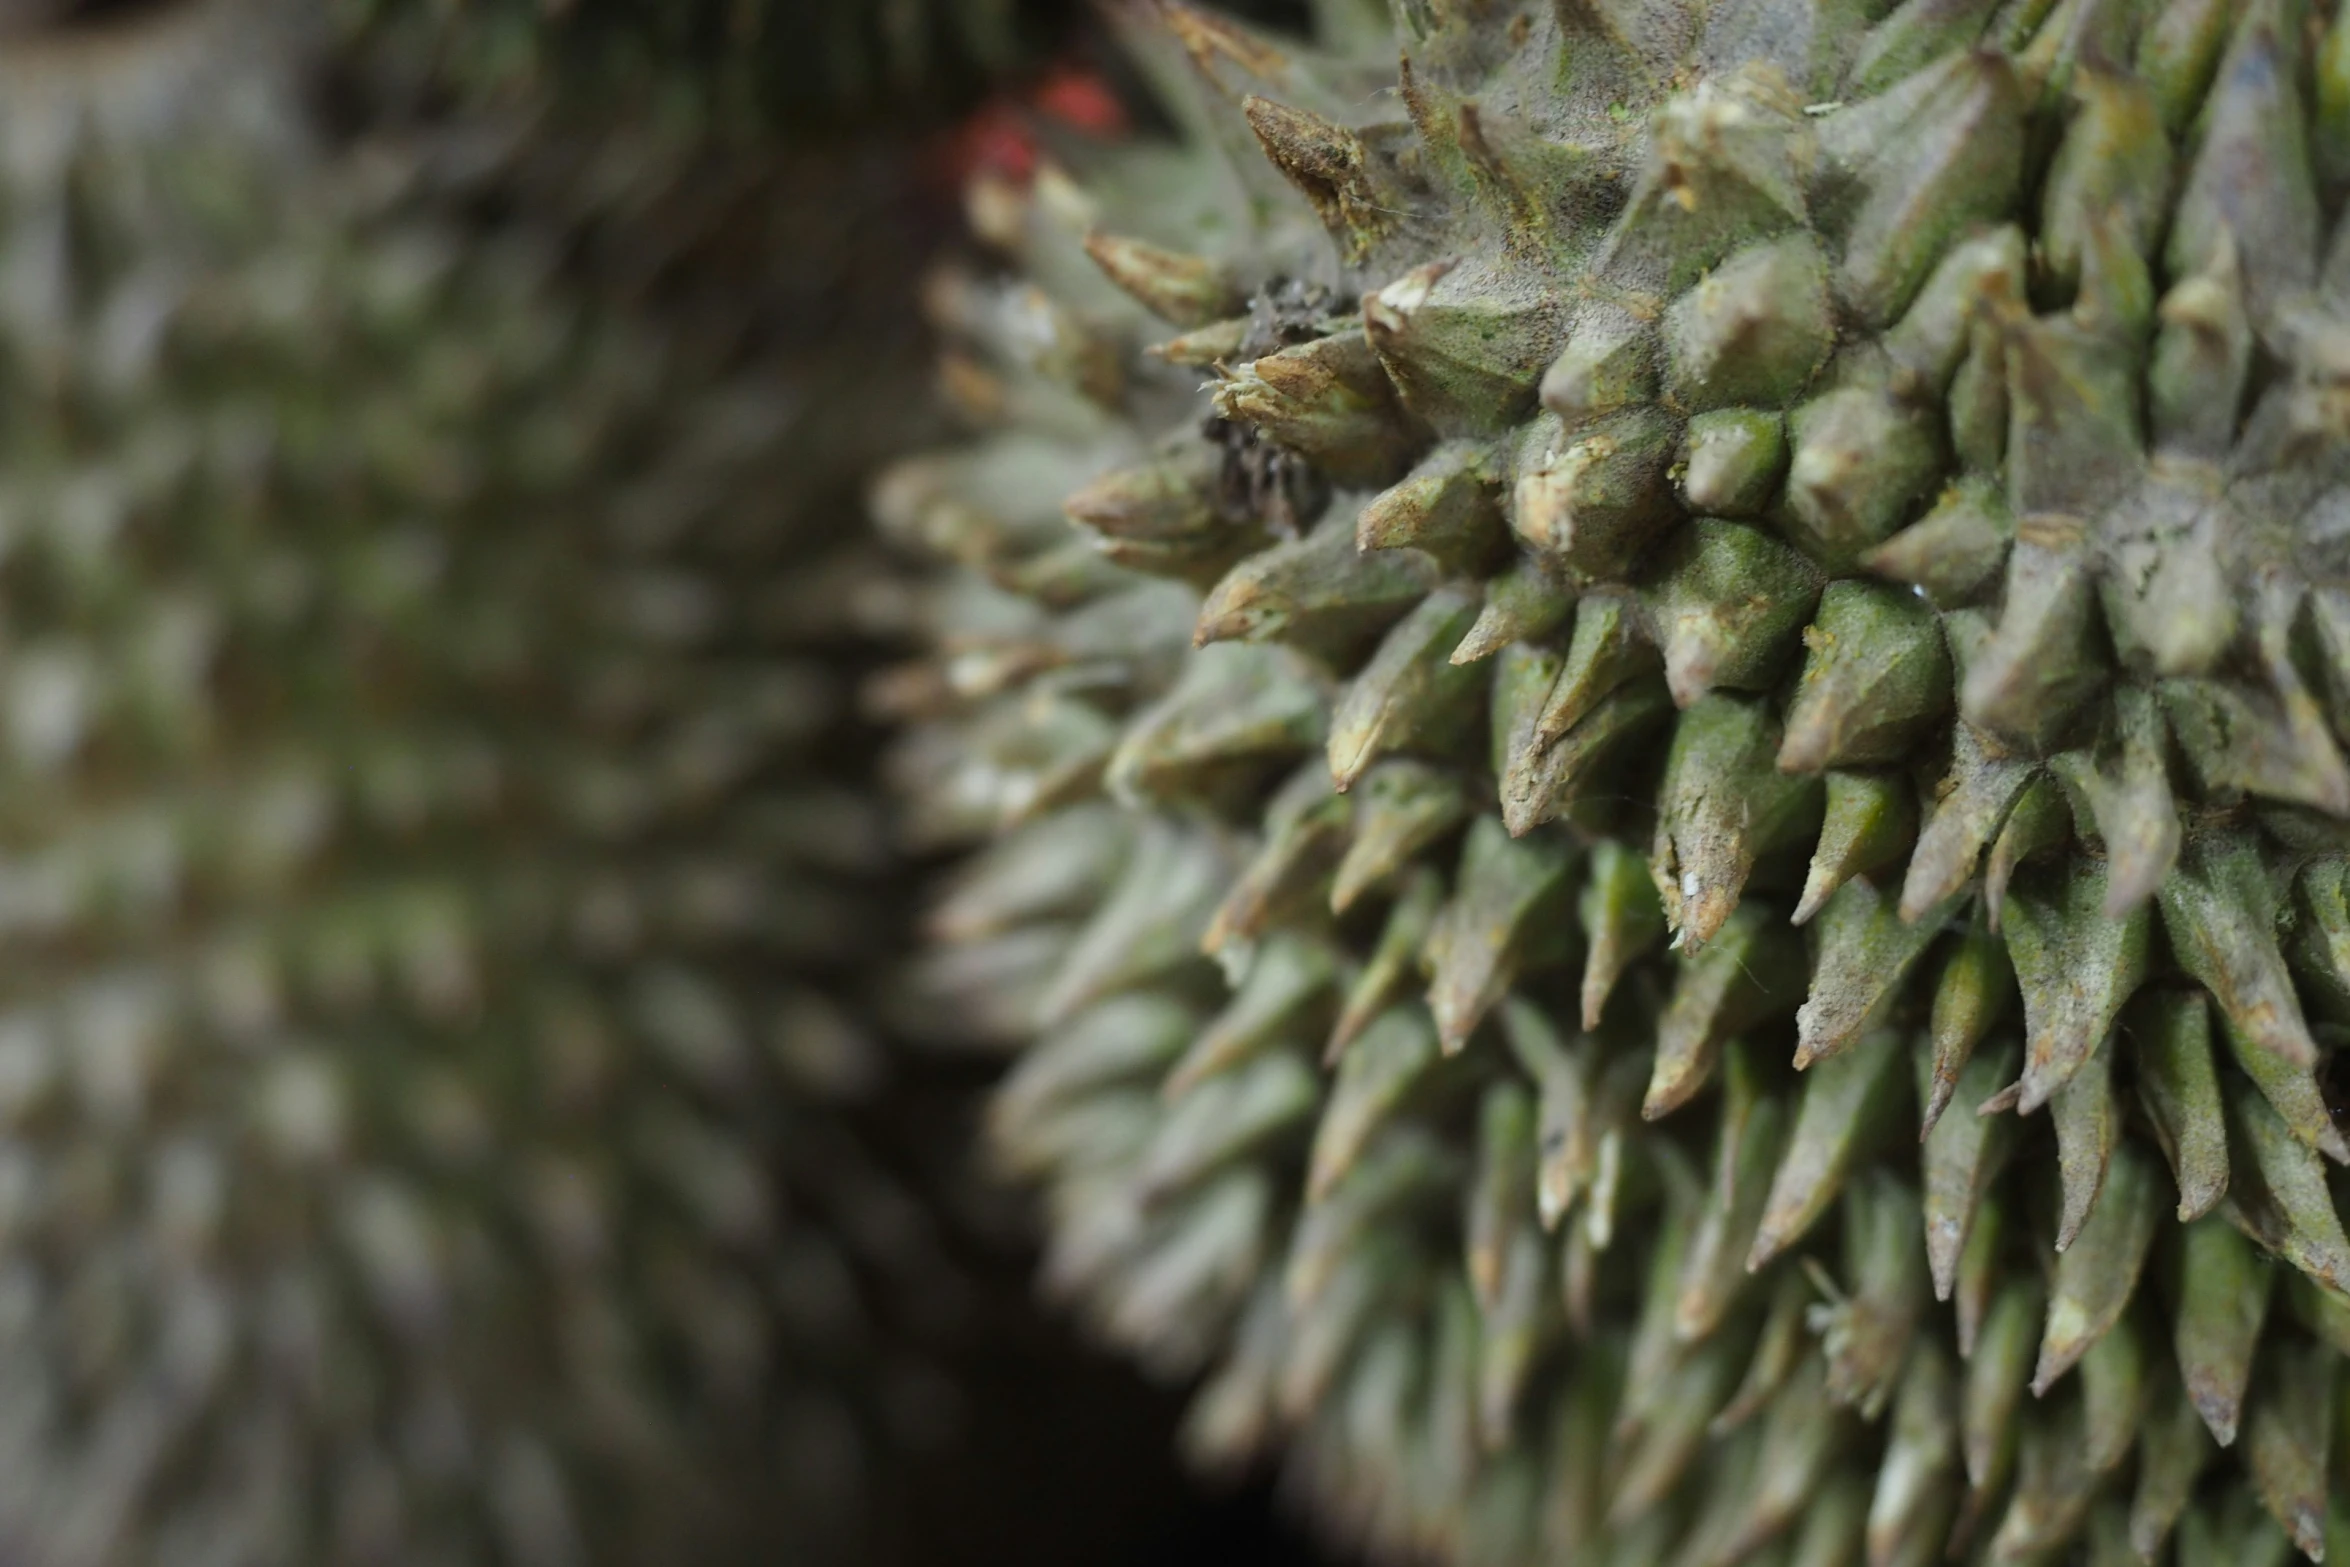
<point>431,905</point>
<point>1656,710</point>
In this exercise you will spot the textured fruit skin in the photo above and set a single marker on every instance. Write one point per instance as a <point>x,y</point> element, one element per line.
<point>1699,587</point>
<point>430,1126</point>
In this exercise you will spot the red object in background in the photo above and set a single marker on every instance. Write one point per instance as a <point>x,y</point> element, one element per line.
<point>999,137</point>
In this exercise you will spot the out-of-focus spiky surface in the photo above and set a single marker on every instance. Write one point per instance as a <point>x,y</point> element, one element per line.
<point>426,1132</point>
<point>1671,869</point>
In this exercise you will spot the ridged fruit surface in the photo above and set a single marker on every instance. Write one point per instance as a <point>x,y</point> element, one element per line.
<point>1656,704</point>
<point>425,1128</point>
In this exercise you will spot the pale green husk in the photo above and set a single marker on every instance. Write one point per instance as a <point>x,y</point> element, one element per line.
<point>1704,588</point>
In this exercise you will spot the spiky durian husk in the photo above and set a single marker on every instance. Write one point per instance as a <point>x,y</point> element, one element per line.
<point>428,1129</point>
<point>1633,855</point>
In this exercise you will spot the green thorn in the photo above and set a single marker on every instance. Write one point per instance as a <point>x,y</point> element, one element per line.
<point>1448,508</point>
<point>1746,1150</point>
<point>1290,980</point>
<point>1868,827</point>
<point>2179,1090</point>
<point>2098,1273</point>
<point>1731,462</point>
<point>1845,1098</point>
<point>2075,966</point>
<point>1523,604</point>
<point>2087,1116</point>
<point>1722,807</point>
<point>1961,1157</point>
<point>1622,921</point>
<point>1507,915</point>
<point>1377,1075</point>
<point>1319,594</point>
<point>1400,808</point>
<point>2173,1449</point>
<point>1971,996</point>
<point>1862,463</point>
<point>1865,952</point>
<point>1409,697</point>
<point>1955,551</point>
<point>1752,971</point>
<point>1728,604</point>
<point>2220,912</point>
<point>2222,1302</point>
<point>1753,330</point>
<point>1592,499</point>
<point>1393,960</point>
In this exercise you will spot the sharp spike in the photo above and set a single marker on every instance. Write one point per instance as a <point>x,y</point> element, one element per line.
<point>1501,1186</point>
<point>1449,508</point>
<point>1864,957</point>
<point>2223,1300</point>
<point>1606,651</point>
<point>1865,1333</point>
<point>1622,921</point>
<point>1971,996</point>
<point>1465,354</point>
<point>2173,1450</point>
<point>2288,1441</point>
<point>1410,697</point>
<point>1955,551</point>
<point>1330,402</point>
<point>1523,604</point>
<point>1746,1149</point>
<point>2202,358</point>
<point>1732,461</point>
<point>1962,1156</point>
<point>2250,177</point>
<point>1997,1376</point>
<point>1750,972</point>
<point>2179,1088</point>
<point>1862,463</point>
<point>2075,966</point>
<point>1377,1076</point>
<point>2278,1193</point>
<point>2088,1122</point>
<point>2045,659</point>
<point>1754,330</point>
<point>1290,990</point>
<point>1319,594</point>
<point>1929,159</point>
<point>1844,1099</point>
<point>1722,807</point>
<point>2098,1273</point>
<point>1869,824</point>
<point>1182,290</point>
<point>1969,806</point>
<point>1727,605</point>
<point>1506,917</point>
<point>1876,675</point>
<point>1392,962</point>
<point>1236,707</point>
<point>1306,829</point>
<point>1403,808</point>
<point>2220,912</point>
<point>1593,499</point>
<point>1331,167</point>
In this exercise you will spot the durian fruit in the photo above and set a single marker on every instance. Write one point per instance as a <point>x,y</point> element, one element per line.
<point>428,1093</point>
<point>1655,704</point>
